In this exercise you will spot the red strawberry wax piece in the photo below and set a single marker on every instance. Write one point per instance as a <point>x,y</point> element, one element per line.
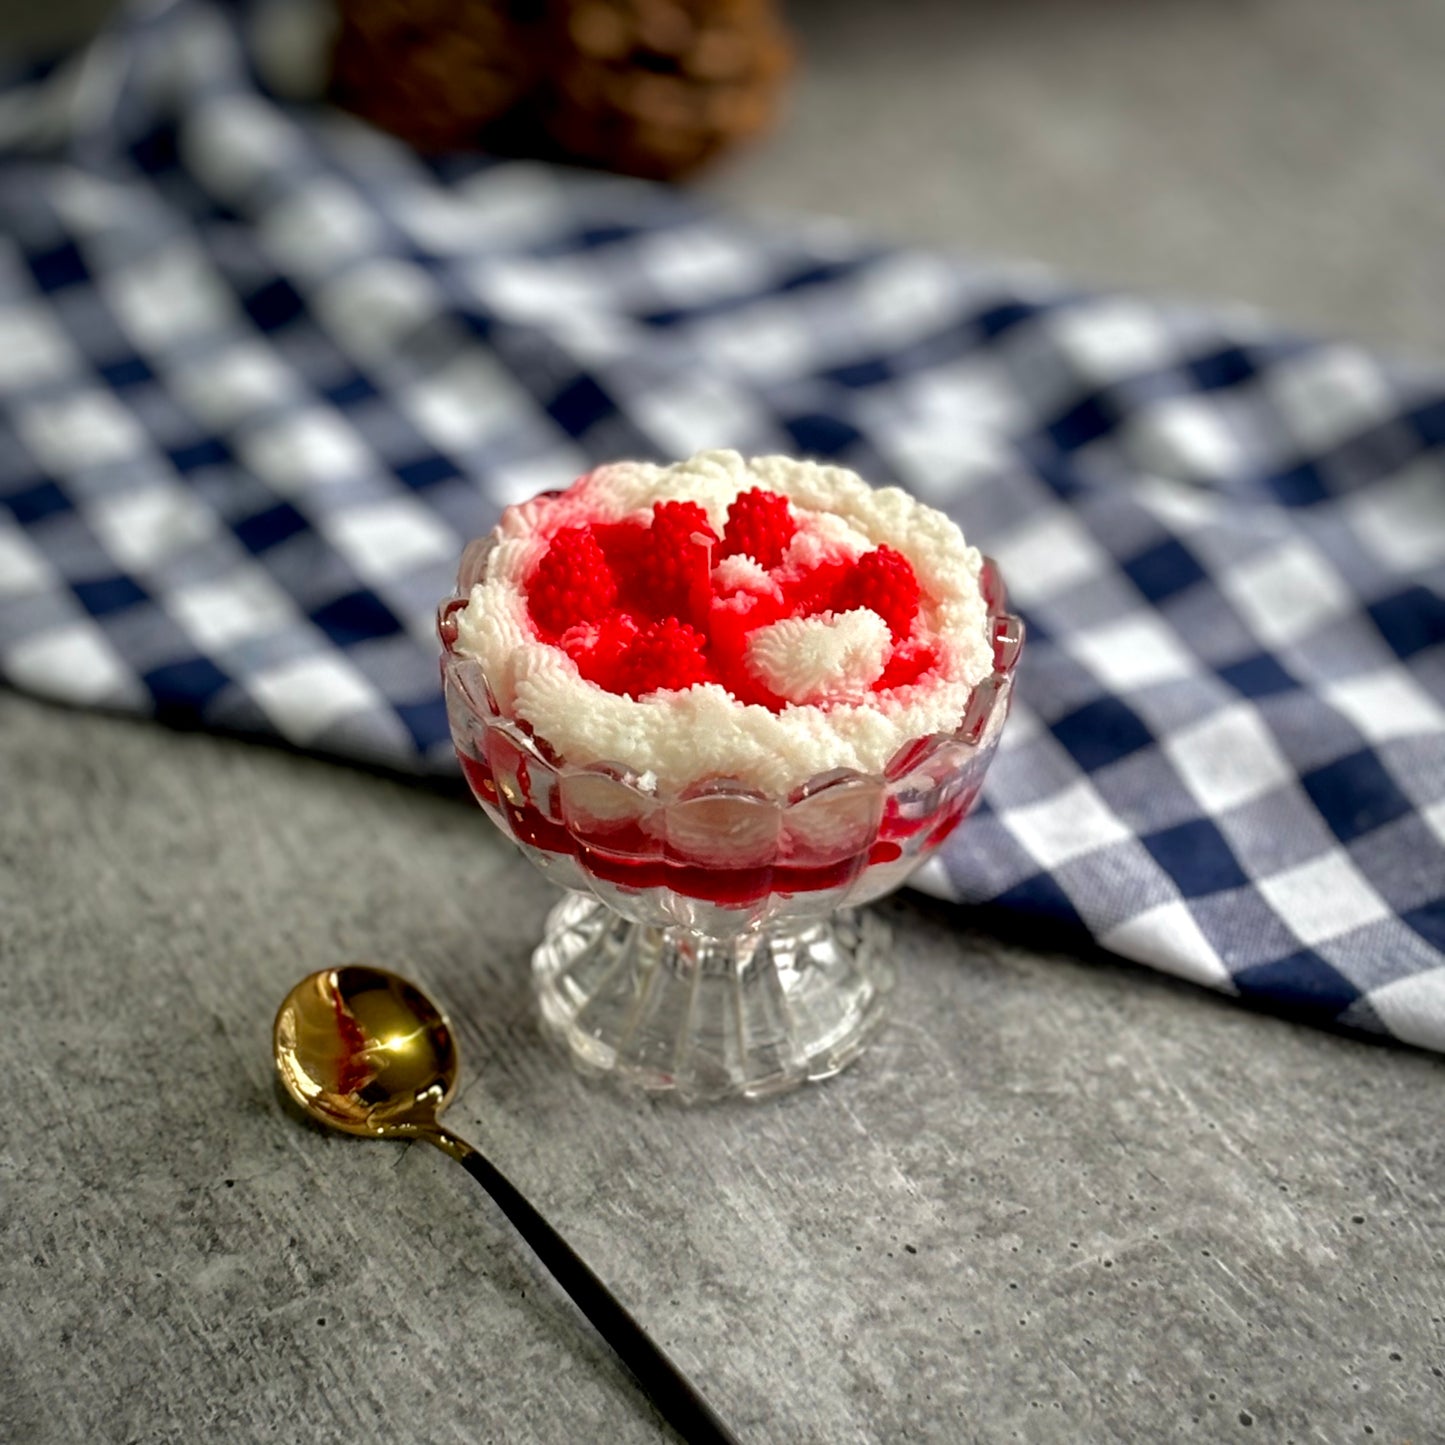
<point>572,582</point>
<point>666,654</point>
<point>882,580</point>
<point>759,526</point>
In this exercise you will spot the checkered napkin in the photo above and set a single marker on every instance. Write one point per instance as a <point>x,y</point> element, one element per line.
<point>262,372</point>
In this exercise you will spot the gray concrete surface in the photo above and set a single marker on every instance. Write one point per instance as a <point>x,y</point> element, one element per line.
<point>1058,1201</point>
<point>1283,153</point>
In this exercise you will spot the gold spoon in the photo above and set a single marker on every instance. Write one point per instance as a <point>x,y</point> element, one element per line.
<point>366,1052</point>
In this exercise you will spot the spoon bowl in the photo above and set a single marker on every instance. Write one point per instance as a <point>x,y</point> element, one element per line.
<point>364,1051</point>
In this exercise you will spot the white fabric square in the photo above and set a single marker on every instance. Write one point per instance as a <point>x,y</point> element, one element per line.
<point>304,697</point>
<point>1185,434</point>
<point>388,539</point>
<point>373,307</point>
<point>699,413</point>
<point>962,399</point>
<point>1386,705</point>
<point>1403,520</point>
<point>523,478</point>
<point>74,663</point>
<point>1023,726</point>
<point>1050,553</point>
<point>699,262</point>
<point>168,295</point>
<point>899,298</point>
<point>592,335</point>
<point>234,383</point>
<point>305,451</point>
<point>319,226</point>
<point>32,348</point>
<point>1324,898</point>
<point>23,568</point>
<point>86,201</point>
<point>931,877</point>
<point>1114,336</point>
<point>1329,392</point>
<point>531,291</point>
<point>945,431</point>
<point>505,207</point>
<point>81,429</point>
<point>1228,759</point>
<point>1179,505</point>
<point>140,529</point>
<point>1167,936</point>
<point>1068,825</point>
<point>939,459</point>
<point>762,341</point>
<point>466,401</point>
<point>235,141</point>
<point>444,221</point>
<point>1134,652</point>
<point>221,613</point>
<point>1286,593</point>
<point>1434,817</point>
<point>1413,1008</point>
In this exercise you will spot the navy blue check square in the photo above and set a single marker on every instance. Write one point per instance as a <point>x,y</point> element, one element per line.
<point>257,392</point>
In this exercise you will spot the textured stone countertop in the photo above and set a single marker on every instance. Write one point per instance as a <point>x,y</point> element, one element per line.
<point>1057,1200</point>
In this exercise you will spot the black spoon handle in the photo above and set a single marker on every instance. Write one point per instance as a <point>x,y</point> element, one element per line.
<point>669,1389</point>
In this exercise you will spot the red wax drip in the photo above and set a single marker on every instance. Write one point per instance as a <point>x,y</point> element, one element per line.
<point>629,858</point>
<point>634,861</point>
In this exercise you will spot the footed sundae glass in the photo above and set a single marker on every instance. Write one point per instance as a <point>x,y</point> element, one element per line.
<point>711,943</point>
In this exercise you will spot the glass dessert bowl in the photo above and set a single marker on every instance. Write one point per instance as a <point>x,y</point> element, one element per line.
<point>711,942</point>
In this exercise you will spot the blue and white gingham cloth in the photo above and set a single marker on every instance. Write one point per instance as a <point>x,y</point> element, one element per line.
<point>263,372</point>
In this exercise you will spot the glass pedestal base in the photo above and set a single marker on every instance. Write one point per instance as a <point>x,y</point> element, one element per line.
<point>671,1011</point>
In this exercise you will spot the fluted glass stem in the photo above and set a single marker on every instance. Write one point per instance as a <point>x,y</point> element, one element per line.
<point>672,1010</point>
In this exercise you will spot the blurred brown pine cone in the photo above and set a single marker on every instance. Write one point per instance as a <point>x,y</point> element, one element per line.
<point>437,73</point>
<point>646,87</point>
<point>657,87</point>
